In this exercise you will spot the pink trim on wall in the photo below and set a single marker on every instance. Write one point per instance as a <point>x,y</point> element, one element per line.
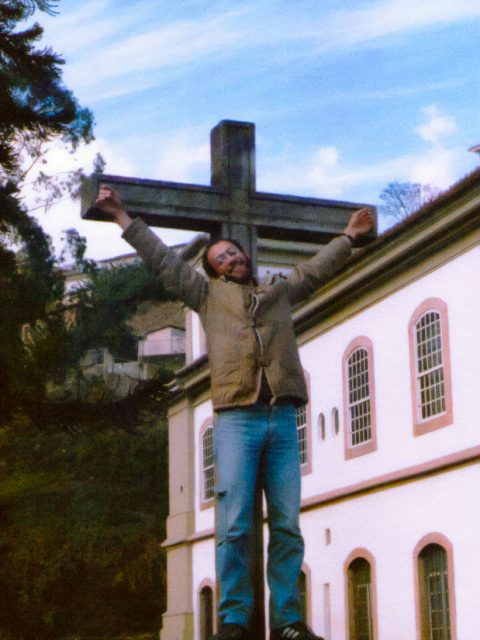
<point>307,468</point>
<point>421,426</point>
<point>394,477</point>
<point>206,582</point>
<point>204,504</point>
<point>443,541</point>
<point>371,445</point>
<point>366,555</point>
<point>385,481</point>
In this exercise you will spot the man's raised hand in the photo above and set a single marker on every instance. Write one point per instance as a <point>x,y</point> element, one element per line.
<point>109,201</point>
<point>360,223</point>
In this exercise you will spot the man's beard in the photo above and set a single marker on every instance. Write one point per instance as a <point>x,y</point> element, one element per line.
<point>247,276</point>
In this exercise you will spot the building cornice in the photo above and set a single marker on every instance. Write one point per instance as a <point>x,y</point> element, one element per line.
<point>410,244</point>
<point>394,478</point>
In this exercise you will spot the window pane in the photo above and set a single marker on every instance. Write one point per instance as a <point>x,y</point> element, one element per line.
<point>302,589</point>
<point>360,600</point>
<point>206,613</point>
<point>359,397</point>
<point>208,464</point>
<point>430,375</point>
<point>434,576</point>
<point>302,433</point>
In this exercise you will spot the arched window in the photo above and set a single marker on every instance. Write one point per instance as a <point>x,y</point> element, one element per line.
<point>360,609</point>
<point>430,366</point>
<point>206,613</point>
<point>359,398</point>
<point>302,589</point>
<point>304,433</point>
<point>434,593</point>
<point>207,465</point>
<point>305,593</point>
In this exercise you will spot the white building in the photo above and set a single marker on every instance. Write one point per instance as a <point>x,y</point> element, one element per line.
<point>390,443</point>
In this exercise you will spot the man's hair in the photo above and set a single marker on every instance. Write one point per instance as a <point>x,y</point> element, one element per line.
<point>207,267</point>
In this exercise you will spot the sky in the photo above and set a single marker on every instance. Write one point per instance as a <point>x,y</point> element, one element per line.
<point>346,95</point>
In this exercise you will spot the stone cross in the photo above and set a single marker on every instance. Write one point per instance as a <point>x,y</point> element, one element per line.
<point>231,207</point>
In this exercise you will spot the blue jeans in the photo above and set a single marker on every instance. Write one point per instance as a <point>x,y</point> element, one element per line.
<point>247,440</point>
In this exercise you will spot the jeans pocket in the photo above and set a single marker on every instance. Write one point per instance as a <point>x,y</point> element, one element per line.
<point>220,514</point>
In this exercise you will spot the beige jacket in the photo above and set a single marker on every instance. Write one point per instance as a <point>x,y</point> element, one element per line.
<point>249,331</point>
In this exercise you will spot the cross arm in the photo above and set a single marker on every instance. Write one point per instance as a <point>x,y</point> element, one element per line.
<point>203,208</point>
<point>160,203</point>
<point>304,219</point>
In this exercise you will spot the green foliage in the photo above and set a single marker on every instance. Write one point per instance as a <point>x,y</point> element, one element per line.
<point>83,499</point>
<point>35,108</point>
<point>31,291</point>
<point>106,301</point>
<point>82,517</point>
<point>34,105</point>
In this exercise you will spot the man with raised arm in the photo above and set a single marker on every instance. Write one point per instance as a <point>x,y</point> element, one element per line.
<point>256,384</point>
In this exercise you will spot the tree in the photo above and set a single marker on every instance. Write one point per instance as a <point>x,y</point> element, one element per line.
<point>82,518</point>
<point>35,108</point>
<point>404,198</point>
<point>83,499</point>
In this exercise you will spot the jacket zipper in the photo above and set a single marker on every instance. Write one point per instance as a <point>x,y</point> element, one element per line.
<point>253,308</point>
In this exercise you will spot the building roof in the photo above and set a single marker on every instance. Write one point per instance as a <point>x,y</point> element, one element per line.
<point>153,316</point>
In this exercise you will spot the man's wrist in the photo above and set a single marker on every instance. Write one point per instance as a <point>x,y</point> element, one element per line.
<point>123,219</point>
<point>349,236</point>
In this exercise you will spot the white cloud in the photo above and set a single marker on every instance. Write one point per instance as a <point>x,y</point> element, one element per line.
<point>102,239</point>
<point>327,174</point>
<point>133,57</point>
<point>437,167</point>
<point>436,126</point>
<point>438,163</point>
<point>178,161</point>
<point>392,17</point>
<point>181,158</point>
<point>116,49</point>
<point>80,28</point>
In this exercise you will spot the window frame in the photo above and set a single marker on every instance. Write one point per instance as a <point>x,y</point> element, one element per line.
<point>440,540</point>
<point>306,467</point>
<point>202,630</point>
<point>365,555</point>
<point>354,451</point>
<point>307,599</point>
<point>205,503</point>
<point>425,425</point>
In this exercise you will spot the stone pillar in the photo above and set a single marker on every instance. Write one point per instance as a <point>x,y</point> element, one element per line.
<point>178,618</point>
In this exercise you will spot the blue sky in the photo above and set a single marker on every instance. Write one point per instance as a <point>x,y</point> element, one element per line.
<point>346,96</point>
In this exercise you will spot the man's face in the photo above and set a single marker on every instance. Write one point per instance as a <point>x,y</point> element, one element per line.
<point>227,260</point>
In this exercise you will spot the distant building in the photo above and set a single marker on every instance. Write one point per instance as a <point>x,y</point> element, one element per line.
<point>389,442</point>
<point>159,327</point>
